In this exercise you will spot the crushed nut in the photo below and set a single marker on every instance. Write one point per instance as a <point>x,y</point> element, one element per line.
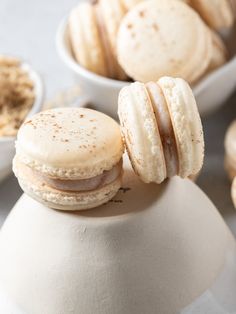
<point>16,95</point>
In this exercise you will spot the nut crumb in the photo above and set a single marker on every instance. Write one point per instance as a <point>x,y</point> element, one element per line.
<point>142,13</point>
<point>155,27</point>
<point>16,95</point>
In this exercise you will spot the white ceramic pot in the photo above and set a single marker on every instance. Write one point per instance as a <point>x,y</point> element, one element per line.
<point>7,144</point>
<point>211,92</point>
<point>152,249</point>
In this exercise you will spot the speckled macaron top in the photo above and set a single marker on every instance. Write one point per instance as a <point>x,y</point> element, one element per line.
<point>69,143</point>
<point>158,38</point>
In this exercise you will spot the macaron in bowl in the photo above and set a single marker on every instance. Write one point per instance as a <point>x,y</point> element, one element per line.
<point>103,92</point>
<point>7,143</point>
<point>69,158</point>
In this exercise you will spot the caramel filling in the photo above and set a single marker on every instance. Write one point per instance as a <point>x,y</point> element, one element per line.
<point>106,45</point>
<point>165,128</point>
<point>81,185</point>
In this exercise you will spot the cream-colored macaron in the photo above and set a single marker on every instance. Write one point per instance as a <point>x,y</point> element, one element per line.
<point>219,55</point>
<point>158,38</point>
<point>162,129</point>
<point>230,151</point>
<point>217,14</point>
<point>93,28</point>
<point>131,3</point>
<point>233,192</point>
<point>69,158</point>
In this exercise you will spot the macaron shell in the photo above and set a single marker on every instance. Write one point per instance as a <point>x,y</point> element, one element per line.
<point>230,141</point>
<point>131,3</point>
<point>230,167</point>
<point>186,123</point>
<point>70,143</point>
<point>159,38</point>
<point>165,128</point>
<point>230,150</point>
<point>112,12</point>
<point>233,192</point>
<point>64,200</point>
<point>219,55</point>
<point>218,14</point>
<point>139,128</point>
<point>85,39</point>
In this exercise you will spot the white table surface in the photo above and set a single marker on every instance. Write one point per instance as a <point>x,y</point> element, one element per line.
<point>27,29</point>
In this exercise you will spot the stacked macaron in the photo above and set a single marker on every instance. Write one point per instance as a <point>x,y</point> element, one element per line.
<point>145,40</point>
<point>230,158</point>
<point>71,158</point>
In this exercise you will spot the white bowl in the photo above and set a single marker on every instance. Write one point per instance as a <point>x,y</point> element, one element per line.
<point>102,92</point>
<point>7,144</point>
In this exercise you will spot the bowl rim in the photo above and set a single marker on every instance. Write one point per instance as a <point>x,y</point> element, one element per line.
<point>39,93</point>
<point>67,58</point>
<point>208,79</point>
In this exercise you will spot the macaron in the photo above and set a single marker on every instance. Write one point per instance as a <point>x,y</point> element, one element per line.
<point>219,55</point>
<point>162,129</point>
<point>233,192</point>
<point>131,3</point>
<point>92,31</point>
<point>217,14</point>
<point>158,38</point>
<point>230,151</point>
<point>69,158</point>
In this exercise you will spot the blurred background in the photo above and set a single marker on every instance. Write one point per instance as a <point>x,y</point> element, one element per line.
<point>27,30</point>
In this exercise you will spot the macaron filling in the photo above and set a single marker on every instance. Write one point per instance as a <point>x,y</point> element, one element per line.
<point>81,185</point>
<point>165,128</point>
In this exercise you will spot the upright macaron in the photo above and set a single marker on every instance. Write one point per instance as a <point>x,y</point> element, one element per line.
<point>93,30</point>
<point>218,14</point>
<point>162,129</point>
<point>69,158</point>
<point>158,38</point>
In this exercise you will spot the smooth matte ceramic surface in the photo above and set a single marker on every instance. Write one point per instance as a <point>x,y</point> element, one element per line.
<point>141,251</point>
<point>211,92</point>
